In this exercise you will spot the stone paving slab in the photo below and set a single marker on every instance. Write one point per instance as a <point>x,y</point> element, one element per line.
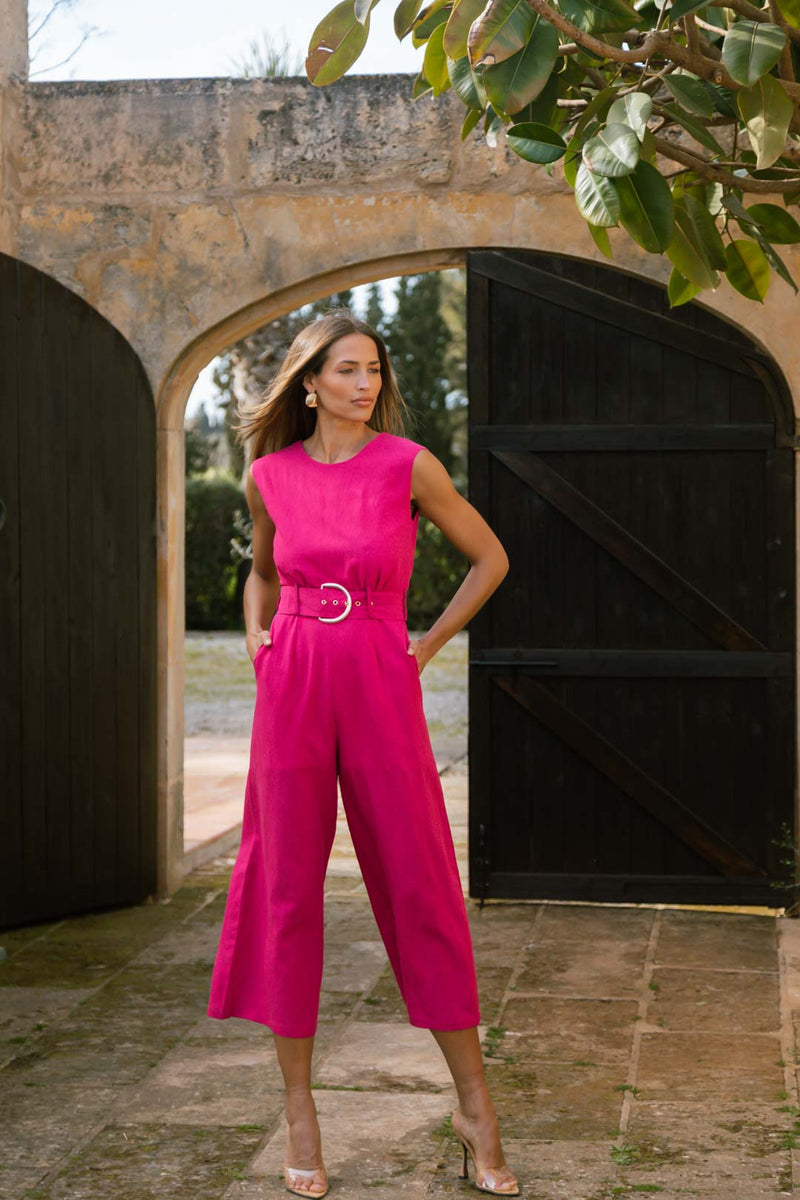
<point>629,1049</point>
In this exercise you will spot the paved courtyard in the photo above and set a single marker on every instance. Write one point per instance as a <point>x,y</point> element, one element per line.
<point>630,1050</point>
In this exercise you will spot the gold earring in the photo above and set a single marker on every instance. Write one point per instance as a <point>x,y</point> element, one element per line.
<point>311,399</point>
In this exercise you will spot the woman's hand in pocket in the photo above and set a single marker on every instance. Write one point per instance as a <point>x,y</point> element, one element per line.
<point>253,640</point>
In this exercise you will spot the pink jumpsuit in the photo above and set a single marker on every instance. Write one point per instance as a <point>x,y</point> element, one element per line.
<point>342,699</point>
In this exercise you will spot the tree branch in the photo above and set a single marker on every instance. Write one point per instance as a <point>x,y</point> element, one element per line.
<point>745,9</point>
<point>652,43</point>
<point>708,170</point>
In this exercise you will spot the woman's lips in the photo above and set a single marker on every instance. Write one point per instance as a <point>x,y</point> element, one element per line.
<point>362,402</point>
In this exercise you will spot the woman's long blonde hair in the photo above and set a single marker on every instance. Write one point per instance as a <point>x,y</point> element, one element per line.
<point>283,417</point>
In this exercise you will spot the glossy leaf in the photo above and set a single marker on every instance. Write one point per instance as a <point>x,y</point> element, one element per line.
<point>465,83</point>
<point>778,225</point>
<point>601,239</point>
<point>696,248</point>
<point>680,290</point>
<point>405,15</point>
<point>634,110</point>
<point>748,269</point>
<point>597,108</point>
<point>766,111</point>
<point>611,152</point>
<point>512,84</point>
<point>682,8</point>
<point>690,93</point>
<point>646,208</point>
<point>542,110</point>
<point>502,29</point>
<point>693,126</point>
<point>751,48</point>
<point>458,26</point>
<point>335,44</point>
<point>600,16</point>
<point>434,63</point>
<point>535,143</point>
<point>572,161</point>
<point>596,198</point>
<point>470,121</point>
<point>362,9</point>
<point>420,87</point>
<point>430,18</point>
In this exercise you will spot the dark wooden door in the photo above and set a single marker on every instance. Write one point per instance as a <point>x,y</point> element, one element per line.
<point>632,702</point>
<point>77,607</point>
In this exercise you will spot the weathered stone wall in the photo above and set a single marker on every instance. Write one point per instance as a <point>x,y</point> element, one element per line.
<point>190,212</point>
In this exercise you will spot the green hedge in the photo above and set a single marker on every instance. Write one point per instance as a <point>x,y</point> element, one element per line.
<point>213,576</point>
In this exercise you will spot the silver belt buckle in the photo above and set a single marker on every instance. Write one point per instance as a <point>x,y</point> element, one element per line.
<point>349,603</point>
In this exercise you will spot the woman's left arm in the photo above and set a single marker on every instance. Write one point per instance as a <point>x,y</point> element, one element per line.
<point>433,491</point>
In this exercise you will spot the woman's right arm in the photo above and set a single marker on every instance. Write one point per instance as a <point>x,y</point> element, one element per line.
<point>262,588</point>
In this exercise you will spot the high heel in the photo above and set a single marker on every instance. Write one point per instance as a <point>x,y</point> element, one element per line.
<point>317,1177</point>
<point>293,1175</point>
<point>486,1178</point>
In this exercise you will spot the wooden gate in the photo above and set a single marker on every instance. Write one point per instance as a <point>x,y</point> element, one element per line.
<point>632,701</point>
<point>77,607</point>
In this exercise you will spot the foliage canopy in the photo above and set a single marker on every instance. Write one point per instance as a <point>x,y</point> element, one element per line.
<point>670,118</point>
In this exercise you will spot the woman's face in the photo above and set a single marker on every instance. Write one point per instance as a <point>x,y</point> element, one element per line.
<point>347,387</point>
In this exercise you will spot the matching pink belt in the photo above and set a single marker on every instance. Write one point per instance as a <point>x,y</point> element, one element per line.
<point>331,602</point>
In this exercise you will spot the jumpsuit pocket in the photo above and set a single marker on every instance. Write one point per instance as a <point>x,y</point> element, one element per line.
<point>261,646</point>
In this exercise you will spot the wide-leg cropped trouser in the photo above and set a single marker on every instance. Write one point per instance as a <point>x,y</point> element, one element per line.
<point>342,699</point>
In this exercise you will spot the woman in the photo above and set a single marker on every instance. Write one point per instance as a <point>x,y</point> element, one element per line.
<point>335,491</point>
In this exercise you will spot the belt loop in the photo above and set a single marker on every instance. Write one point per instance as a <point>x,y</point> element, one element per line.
<point>296,597</point>
<point>368,601</point>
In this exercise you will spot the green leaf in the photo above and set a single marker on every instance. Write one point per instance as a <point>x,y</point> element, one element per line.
<point>362,9</point>
<point>542,110</point>
<point>464,83</point>
<point>436,14</point>
<point>458,26</point>
<point>693,126</point>
<point>434,63</point>
<point>679,290</point>
<point>470,121</point>
<point>688,90</point>
<point>773,258</point>
<point>778,225</point>
<point>596,198</point>
<point>696,248</point>
<point>601,239</point>
<point>646,207</point>
<point>405,15</point>
<point>633,109</point>
<point>751,48</point>
<point>535,143</point>
<point>766,111</point>
<point>512,84</point>
<point>722,98</point>
<point>420,87</point>
<point>790,11</point>
<point>572,161</point>
<point>748,269</point>
<point>600,16</point>
<point>502,29</point>
<point>613,151</point>
<point>595,108</point>
<point>335,44</point>
<point>682,8</point>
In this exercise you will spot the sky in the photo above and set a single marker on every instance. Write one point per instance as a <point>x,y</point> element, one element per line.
<point>151,39</point>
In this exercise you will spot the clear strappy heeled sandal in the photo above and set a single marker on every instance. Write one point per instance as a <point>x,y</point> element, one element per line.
<point>317,1181</point>
<point>498,1181</point>
<point>302,1181</point>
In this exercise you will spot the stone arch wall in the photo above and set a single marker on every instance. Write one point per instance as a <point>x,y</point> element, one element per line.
<point>190,212</point>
